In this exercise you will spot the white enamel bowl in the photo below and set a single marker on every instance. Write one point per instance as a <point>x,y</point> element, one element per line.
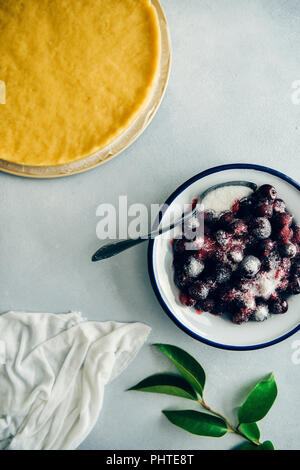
<point>220,331</point>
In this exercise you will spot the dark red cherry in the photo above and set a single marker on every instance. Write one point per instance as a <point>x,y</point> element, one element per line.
<point>199,290</point>
<point>242,315</point>
<point>207,305</point>
<point>285,235</point>
<point>193,267</point>
<point>282,220</point>
<point>181,280</point>
<point>264,209</point>
<point>288,250</point>
<point>223,273</point>
<point>178,261</point>
<point>209,217</point>
<point>246,208</point>
<point>265,247</point>
<point>225,218</point>
<point>279,206</point>
<point>179,246</point>
<point>261,228</point>
<point>266,191</point>
<point>250,266</point>
<point>279,305</point>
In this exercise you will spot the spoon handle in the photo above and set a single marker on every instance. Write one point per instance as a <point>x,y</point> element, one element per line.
<point>113,249</point>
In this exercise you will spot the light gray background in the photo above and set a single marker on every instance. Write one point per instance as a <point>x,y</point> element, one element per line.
<point>228,100</point>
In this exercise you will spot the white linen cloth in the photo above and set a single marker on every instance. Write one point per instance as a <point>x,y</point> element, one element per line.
<point>53,369</point>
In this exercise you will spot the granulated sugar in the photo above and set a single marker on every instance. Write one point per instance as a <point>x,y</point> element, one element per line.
<point>222,199</point>
<point>266,284</point>
<point>261,313</point>
<point>194,267</point>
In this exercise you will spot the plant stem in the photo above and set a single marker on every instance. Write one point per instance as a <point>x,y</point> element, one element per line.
<point>231,427</point>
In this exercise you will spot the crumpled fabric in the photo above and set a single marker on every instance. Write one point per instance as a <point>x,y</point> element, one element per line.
<point>53,369</point>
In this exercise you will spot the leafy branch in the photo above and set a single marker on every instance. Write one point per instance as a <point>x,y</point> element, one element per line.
<point>190,385</point>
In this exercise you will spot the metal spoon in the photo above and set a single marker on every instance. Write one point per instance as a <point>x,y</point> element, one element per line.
<point>113,249</point>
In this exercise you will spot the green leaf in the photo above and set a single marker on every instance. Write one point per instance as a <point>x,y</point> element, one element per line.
<point>167,384</point>
<point>259,402</point>
<point>186,365</point>
<point>246,446</point>
<point>267,445</point>
<point>250,430</point>
<point>201,424</point>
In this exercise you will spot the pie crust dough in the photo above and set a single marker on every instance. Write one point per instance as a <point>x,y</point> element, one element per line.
<point>77,74</point>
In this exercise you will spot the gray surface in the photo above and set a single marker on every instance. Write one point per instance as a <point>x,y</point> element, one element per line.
<point>228,100</point>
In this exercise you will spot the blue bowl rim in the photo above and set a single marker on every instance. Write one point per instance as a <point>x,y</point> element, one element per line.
<point>201,175</point>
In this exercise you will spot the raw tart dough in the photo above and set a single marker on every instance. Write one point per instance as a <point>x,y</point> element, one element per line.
<point>77,74</point>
